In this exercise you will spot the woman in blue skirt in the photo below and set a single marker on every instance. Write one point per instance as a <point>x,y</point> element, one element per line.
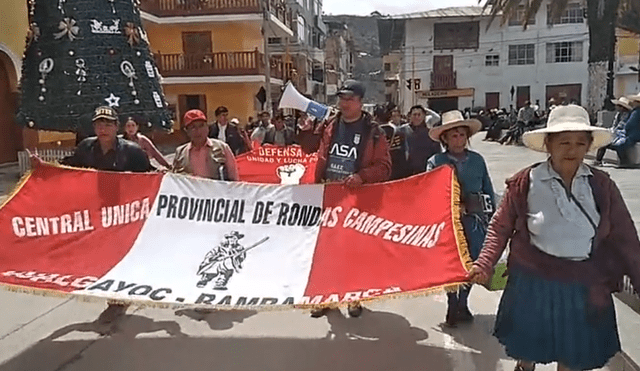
<point>476,193</point>
<point>571,241</point>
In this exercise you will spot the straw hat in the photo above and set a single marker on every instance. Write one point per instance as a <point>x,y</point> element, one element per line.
<point>454,119</point>
<point>622,101</point>
<point>567,118</point>
<point>633,98</point>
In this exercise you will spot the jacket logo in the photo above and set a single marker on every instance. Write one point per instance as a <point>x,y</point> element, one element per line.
<point>356,139</point>
<point>344,150</point>
<point>223,260</point>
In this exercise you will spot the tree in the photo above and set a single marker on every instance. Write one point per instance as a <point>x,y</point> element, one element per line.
<point>601,18</point>
<point>81,54</point>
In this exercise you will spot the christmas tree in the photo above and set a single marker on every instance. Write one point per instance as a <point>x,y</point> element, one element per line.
<point>81,54</point>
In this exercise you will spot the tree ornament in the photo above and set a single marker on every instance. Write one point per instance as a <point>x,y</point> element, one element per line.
<point>71,53</point>
<point>45,67</point>
<point>81,72</point>
<point>132,33</point>
<point>157,99</point>
<point>99,27</point>
<point>113,6</point>
<point>149,67</point>
<point>61,6</point>
<point>113,101</point>
<point>68,28</point>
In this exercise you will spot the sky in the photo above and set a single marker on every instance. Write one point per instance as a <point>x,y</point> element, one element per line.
<point>365,7</point>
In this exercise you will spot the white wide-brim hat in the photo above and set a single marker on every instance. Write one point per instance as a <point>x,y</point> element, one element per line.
<point>452,120</point>
<point>633,98</point>
<point>622,101</point>
<point>567,118</point>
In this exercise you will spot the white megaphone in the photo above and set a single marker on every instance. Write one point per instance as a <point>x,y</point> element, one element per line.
<point>291,98</point>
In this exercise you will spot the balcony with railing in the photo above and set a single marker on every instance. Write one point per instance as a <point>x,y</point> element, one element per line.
<point>172,8</point>
<point>217,64</point>
<point>443,81</point>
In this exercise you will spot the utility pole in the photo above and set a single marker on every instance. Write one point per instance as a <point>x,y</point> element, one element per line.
<point>267,55</point>
<point>413,75</point>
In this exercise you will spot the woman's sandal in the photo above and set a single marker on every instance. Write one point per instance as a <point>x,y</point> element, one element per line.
<point>520,367</point>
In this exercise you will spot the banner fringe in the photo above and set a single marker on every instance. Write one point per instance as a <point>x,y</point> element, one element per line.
<point>456,214</point>
<point>83,298</point>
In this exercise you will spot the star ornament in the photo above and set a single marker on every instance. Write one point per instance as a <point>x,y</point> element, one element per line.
<point>113,101</point>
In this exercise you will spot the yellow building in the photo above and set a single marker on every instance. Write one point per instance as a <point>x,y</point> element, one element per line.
<point>628,48</point>
<point>14,21</point>
<point>211,53</point>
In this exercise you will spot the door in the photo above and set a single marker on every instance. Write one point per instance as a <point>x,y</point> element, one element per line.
<point>522,95</point>
<point>443,64</point>
<point>564,94</point>
<point>196,46</point>
<point>443,104</point>
<point>8,138</point>
<point>492,100</point>
<point>189,102</point>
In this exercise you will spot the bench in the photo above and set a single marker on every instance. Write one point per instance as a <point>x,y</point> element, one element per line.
<point>48,155</point>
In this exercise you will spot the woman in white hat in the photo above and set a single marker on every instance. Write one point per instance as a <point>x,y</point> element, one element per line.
<point>476,193</point>
<point>571,241</point>
<point>623,110</point>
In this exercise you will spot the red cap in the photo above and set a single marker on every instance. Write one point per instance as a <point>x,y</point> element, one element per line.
<point>194,115</point>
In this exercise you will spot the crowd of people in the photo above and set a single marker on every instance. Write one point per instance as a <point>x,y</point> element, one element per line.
<point>571,235</point>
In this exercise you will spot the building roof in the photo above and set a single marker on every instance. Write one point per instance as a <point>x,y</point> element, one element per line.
<point>459,11</point>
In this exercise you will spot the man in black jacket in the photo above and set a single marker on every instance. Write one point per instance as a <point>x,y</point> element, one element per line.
<point>106,151</point>
<point>227,132</point>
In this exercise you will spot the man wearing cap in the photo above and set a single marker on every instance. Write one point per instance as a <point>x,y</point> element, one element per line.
<point>226,131</point>
<point>352,150</point>
<point>106,151</point>
<point>623,110</point>
<point>203,156</point>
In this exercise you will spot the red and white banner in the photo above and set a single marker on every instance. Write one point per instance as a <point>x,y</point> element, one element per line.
<point>177,239</point>
<point>277,165</point>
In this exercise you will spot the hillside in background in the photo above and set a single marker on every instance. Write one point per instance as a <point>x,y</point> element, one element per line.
<point>368,61</point>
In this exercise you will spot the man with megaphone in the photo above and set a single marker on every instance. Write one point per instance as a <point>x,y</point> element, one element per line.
<point>352,150</point>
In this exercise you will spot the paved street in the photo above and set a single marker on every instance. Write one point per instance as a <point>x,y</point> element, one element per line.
<point>47,334</point>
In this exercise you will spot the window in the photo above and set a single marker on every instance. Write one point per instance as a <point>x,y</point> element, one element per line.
<point>521,54</point>
<point>301,29</point>
<point>492,60</point>
<point>275,40</point>
<point>564,52</point>
<point>387,67</point>
<point>518,18</point>
<point>458,35</point>
<point>196,42</point>
<point>573,14</point>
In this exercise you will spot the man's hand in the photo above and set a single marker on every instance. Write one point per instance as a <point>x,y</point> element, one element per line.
<point>353,180</point>
<point>306,125</point>
<point>476,275</point>
<point>34,159</point>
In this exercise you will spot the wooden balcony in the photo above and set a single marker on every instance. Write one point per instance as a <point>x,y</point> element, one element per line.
<point>216,64</point>
<point>443,81</point>
<point>173,8</point>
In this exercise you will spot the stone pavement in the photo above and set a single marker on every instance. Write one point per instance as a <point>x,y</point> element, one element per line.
<point>61,334</point>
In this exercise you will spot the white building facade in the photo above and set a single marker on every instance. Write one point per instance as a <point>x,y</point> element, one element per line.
<point>453,59</point>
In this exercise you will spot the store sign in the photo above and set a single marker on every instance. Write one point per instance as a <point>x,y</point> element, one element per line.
<point>468,92</point>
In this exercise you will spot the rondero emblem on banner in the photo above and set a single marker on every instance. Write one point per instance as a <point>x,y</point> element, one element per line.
<point>177,240</point>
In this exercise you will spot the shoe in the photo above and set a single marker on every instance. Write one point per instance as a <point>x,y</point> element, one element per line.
<point>319,312</point>
<point>521,367</point>
<point>355,310</point>
<point>464,315</point>
<point>451,320</point>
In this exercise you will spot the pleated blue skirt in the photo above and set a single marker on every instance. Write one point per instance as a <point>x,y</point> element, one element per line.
<point>546,321</point>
